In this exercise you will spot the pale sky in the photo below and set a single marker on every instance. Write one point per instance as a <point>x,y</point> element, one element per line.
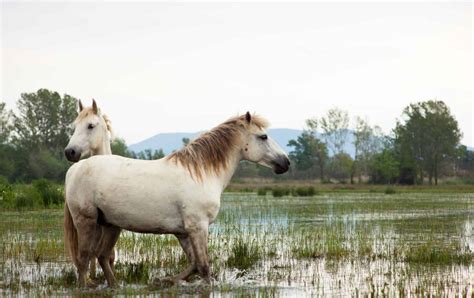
<point>164,67</point>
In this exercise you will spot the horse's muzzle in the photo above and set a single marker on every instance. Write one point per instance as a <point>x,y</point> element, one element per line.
<point>72,154</point>
<point>281,165</point>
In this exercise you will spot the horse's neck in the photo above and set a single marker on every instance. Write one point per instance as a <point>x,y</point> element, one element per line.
<point>104,148</point>
<point>225,177</point>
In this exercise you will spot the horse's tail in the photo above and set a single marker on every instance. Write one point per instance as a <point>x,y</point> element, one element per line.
<point>70,234</point>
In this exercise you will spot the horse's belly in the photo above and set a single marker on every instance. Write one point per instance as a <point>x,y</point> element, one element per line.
<point>143,217</point>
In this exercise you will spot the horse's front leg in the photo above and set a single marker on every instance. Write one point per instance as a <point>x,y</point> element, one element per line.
<point>198,239</point>
<point>188,249</point>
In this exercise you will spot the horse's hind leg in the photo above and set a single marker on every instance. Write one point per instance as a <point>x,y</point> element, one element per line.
<point>86,230</point>
<point>199,243</point>
<point>188,249</point>
<point>110,235</point>
<point>93,261</point>
<point>112,260</point>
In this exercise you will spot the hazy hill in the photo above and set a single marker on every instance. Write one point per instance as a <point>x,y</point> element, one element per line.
<point>172,141</point>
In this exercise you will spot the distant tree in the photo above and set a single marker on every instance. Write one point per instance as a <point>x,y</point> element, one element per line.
<point>465,161</point>
<point>8,161</point>
<point>335,129</point>
<point>340,166</point>
<point>157,154</point>
<point>149,154</point>
<point>7,152</point>
<point>428,137</point>
<point>366,144</point>
<point>384,167</point>
<point>5,125</point>
<point>185,141</point>
<point>309,153</point>
<point>43,164</point>
<point>34,143</point>
<point>44,121</point>
<point>119,147</point>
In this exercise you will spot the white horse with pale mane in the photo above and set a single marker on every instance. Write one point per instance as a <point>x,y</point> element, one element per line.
<point>92,136</point>
<point>178,194</point>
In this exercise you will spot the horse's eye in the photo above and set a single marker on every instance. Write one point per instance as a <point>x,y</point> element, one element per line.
<point>263,137</point>
<point>90,126</point>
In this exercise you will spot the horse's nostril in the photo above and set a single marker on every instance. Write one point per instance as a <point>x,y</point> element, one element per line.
<point>72,155</point>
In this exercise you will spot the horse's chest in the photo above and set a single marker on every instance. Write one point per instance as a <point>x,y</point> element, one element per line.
<point>204,210</point>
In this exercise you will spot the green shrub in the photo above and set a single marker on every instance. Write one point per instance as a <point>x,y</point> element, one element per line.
<point>304,191</point>
<point>280,191</point>
<point>390,190</point>
<point>7,195</point>
<point>312,191</point>
<point>27,198</point>
<point>262,192</point>
<point>469,181</point>
<point>50,193</point>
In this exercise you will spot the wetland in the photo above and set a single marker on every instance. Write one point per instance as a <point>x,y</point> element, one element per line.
<point>328,244</point>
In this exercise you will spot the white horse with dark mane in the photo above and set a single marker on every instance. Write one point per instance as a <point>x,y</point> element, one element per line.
<point>92,136</point>
<point>178,194</point>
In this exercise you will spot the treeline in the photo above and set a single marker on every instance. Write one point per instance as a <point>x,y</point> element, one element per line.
<point>32,140</point>
<point>423,147</point>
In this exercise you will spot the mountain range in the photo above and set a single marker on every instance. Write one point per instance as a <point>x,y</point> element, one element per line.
<point>173,141</point>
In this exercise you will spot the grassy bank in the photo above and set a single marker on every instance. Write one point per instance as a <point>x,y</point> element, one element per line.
<point>254,185</point>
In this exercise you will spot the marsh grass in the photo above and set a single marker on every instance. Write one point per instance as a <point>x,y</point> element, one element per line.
<point>244,254</point>
<point>372,244</point>
<point>133,272</point>
<point>433,252</point>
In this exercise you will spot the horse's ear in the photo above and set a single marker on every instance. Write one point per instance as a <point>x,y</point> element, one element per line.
<point>94,107</point>
<point>81,107</point>
<point>248,117</point>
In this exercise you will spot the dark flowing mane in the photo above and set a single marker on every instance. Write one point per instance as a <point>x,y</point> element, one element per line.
<point>210,152</point>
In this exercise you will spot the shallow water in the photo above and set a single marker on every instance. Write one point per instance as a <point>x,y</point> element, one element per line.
<point>331,244</point>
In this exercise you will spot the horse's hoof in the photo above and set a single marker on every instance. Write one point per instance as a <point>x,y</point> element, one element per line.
<point>90,283</point>
<point>165,282</point>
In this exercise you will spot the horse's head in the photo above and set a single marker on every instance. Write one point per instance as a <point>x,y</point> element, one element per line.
<point>258,147</point>
<point>91,131</point>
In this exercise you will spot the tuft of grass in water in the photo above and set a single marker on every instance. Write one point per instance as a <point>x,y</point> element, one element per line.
<point>327,243</point>
<point>307,249</point>
<point>431,252</point>
<point>133,272</point>
<point>244,254</point>
<point>390,191</point>
<point>67,278</point>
